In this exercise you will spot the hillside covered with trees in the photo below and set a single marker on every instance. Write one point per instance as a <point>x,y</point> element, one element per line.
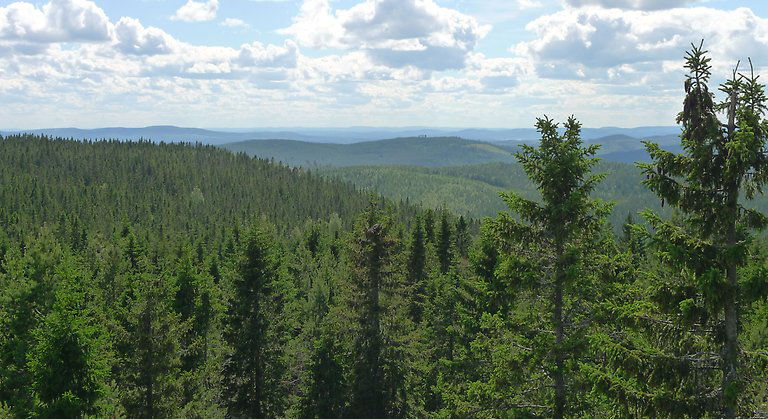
<point>474,191</point>
<point>155,280</point>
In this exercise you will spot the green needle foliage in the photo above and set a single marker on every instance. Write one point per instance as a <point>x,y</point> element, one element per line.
<point>723,164</point>
<point>544,250</point>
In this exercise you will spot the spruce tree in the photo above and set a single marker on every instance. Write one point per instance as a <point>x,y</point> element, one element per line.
<point>250,367</point>
<point>544,248</point>
<point>722,165</point>
<point>444,243</point>
<point>371,255</point>
<point>417,271</point>
<point>152,364</point>
<point>462,237</point>
<point>70,360</point>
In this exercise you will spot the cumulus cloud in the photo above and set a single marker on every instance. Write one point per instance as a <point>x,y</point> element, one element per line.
<point>595,43</point>
<point>394,33</point>
<point>632,4</point>
<point>133,38</point>
<point>57,21</point>
<point>197,11</point>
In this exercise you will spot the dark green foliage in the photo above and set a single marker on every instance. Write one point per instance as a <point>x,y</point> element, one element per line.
<point>416,278</point>
<point>371,254</point>
<point>152,348</point>
<point>252,369</point>
<point>444,244</point>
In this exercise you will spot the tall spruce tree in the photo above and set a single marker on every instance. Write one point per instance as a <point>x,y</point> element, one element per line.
<point>371,255</point>
<point>722,165</point>
<point>417,271</point>
<point>151,349</point>
<point>249,371</point>
<point>542,251</point>
<point>444,243</point>
<point>70,360</point>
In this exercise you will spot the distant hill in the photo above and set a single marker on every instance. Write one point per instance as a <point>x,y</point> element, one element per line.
<point>421,151</point>
<point>428,151</point>
<point>169,133</point>
<point>159,133</point>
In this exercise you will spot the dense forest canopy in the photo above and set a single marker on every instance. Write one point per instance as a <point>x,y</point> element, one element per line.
<point>157,280</point>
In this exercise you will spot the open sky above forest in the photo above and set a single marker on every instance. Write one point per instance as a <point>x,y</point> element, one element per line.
<point>459,63</point>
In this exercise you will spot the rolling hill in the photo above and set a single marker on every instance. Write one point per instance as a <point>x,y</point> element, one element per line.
<point>420,151</point>
<point>474,190</point>
<point>428,151</point>
<point>163,188</point>
<point>169,133</point>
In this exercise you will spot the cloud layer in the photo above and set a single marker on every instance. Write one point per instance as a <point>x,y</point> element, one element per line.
<point>378,62</point>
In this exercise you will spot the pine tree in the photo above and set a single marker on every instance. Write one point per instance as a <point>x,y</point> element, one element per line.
<point>722,164</point>
<point>543,250</point>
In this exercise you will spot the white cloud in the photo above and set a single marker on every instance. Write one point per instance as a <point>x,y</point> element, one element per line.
<point>133,38</point>
<point>57,21</point>
<point>596,43</point>
<point>394,33</point>
<point>197,11</point>
<point>234,23</point>
<point>632,4</point>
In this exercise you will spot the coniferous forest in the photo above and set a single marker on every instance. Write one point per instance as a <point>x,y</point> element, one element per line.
<point>142,279</point>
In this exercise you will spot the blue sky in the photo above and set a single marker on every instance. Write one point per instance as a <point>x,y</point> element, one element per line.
<point>461,63</point>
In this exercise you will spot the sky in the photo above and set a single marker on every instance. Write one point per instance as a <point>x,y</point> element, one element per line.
<point>338,63</point>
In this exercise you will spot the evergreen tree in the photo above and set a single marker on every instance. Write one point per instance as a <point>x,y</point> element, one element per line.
<point>462,237</point>
<point>429,225</point>
<point>372,268</point>
<point>417,271</point>
<point>326,392</point>
<point>152,363</point>
<point>722,164</point>
<point>544,249</point>
<point>27,293</point>
<point>250,370</point>
<point>444,243</point>
<point>70,359</point>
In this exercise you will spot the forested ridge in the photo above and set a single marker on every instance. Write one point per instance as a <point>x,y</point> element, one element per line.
<point>474,190</point>
<point>156,280</point>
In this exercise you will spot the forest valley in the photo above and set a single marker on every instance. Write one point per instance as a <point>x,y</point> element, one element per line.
<point>142,279</point>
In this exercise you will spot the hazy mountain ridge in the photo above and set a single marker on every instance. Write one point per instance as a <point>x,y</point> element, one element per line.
<point>427,151</point>
<point>349,135</point>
